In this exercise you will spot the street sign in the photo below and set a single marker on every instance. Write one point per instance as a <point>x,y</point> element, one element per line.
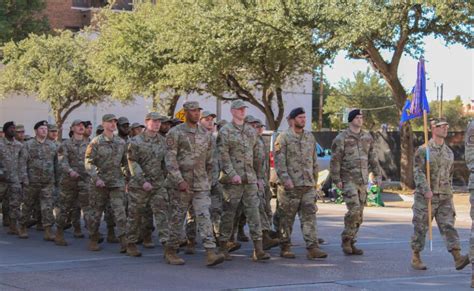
<point>180,115</point>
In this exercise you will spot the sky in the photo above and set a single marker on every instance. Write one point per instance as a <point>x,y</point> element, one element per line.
<point>450,65</point>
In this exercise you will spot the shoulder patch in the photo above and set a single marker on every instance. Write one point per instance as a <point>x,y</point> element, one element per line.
<point>169,141</point>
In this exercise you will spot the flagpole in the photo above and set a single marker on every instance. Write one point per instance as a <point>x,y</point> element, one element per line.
<point>428,176</point>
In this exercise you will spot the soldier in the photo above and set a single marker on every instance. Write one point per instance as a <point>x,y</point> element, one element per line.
<point>2,133</point>
<point>106,162</point>
<point>13,175</point>
<point>75,183</point>
<point>441,195</point>
<point>88,128</point>
<point>297,170</point>
<point>40,158</point>
<point>469,156</point>
<point>189,164</point>
<point>351,161</point>
<point>123,126</point>
<point>165,126</point>
<point>53,135</point>
<point>20,133</point>
<point>99,130</point>
<point>241,177</point>
<point>136,129</point>
<point>146,160</point>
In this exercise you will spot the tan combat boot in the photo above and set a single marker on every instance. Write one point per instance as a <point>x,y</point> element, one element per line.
<point>48,234</point>
<point>148,241</point>
<point>132,250</point>
<point>111,237</point>
<point>258,253</point>
<point>346,246</point>
<point>171,257</point>
<point>213,258</point>
<point>233,246</point>
<point>59,239</point>
<point>22,233</point>
<point>460,261</point>
<point>267,241</point>
<point>12,229</point>
<point>224,250</point>
<point>94,243</point>
<point>78,232</point>
<point>190,247</point>
<point>416,262</point>
<point>123,244</point>
<point>285,252</point>
<point>356,251</point>
<point>315,253</point>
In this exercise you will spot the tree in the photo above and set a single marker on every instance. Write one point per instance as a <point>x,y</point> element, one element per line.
<point>327,91</point>
<point>18,18</point>
<point>380,32</point>
<point>452,111</point>
<point>53,68</point>
<point>367,91</point>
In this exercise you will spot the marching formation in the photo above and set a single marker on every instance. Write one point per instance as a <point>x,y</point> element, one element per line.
<point>181,180</point>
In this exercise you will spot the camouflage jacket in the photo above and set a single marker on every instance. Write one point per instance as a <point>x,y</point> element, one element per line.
<point>441,169</point>
<point>469,152</point>
<point>353,158</point>
<point>189,157</point>
<point>106,159</point>
<point>239,149</point>
<point>146,160</point>
<point>13,171</point>
<point>71,154</point>
<point>265,160</point>
<point>215,162</point>
<point>296,158</point>
<point>41,161</point>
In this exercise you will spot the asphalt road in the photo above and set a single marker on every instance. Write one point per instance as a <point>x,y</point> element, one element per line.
<point>34,264</point>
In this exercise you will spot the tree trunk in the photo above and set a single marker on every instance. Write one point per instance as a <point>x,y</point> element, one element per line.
<point>172,106</point>
<point>59,123</point>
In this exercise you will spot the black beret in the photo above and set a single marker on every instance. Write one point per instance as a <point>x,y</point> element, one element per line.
<point>353,114</point>
<point>86,123</point>
<point>41,123</point>
<point>295,112</point>
<point>7,125</point>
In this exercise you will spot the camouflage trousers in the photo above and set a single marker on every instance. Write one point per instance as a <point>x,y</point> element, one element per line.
<point>180,202</point>
<point>471,241</point>
<point>355,197</point>
<point>233,195</point>
<point>99,197</point>
<point>74,193</point>
<point>240,219</point>
<point>42,193</point>
<point>268,205</point>
<point>215,212</point>
<point>11,198</point>
<point>301,201</point>
<point>442,209</point>
<point>139,204</point>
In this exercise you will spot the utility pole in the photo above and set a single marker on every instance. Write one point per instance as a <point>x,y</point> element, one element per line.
<point>321,95</point>
<point>441,102</point>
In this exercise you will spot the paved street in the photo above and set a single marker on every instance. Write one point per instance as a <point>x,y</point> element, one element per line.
<point>37,265</point>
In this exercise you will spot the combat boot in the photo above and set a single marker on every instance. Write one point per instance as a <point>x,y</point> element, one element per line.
<point>285,252</point>
<point>94,242</point>
<point>132,250</point>
<point>22,233</point>
<point>233,246</point>
<point>111,237</point>
<point>6,220</point>
<point>416,262</point>
<point>48,234</point>
<point>269,242</point>
<point>241,236</point>
<point>190,247</point>
<point>59,239</point>
<point>123,244</point>
<point>315,253</point>
<point>39,226</point>
<point>171,257</point>
<point>346,246</point>
<point>213,258</point>
<point>258,253</point>
<point>78,232</point>
<point>460,261</point>
<point>148,241</point>
<point>224,250</point>
<point>12,229</point>
<point>356,251</point>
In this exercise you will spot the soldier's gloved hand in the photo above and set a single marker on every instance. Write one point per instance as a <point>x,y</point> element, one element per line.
<point>99,183</point>
<point>340,186</point>
<point>260,184</point>
<point>236,180</point>
<point>289,184</point>
<point>183,186</point>
<point>429,195</point>
<point>147,186</point>
<point>73,174</point>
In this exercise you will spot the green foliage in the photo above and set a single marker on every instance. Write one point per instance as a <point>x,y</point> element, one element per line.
<point>452,111</point>
<point>366,91</point>
<point>18,18</point>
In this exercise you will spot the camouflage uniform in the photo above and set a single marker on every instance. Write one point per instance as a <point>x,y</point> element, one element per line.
<point>352,160</point>
<point>189,159</point>
<point>441,172</point>
<point>146,156</point>
<point>296,160</point>
<point>41,162</point>
<point>73,190</point>
<point>106,159</point>
<point>469,156</point>
<point>239,150</point>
